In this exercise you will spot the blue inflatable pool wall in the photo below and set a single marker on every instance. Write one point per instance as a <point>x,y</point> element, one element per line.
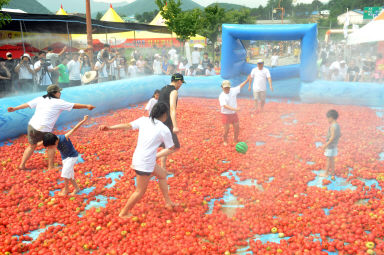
<point>294,81</point>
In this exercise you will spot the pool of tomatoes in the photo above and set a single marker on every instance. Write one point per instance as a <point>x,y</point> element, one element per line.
<point>284,204</point>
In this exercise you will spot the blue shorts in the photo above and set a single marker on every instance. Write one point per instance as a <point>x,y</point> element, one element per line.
<point>330,152</point>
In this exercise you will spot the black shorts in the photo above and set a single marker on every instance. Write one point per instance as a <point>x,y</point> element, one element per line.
<point>142,173</point>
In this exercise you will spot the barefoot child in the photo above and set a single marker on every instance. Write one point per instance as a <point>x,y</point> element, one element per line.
<point>152,133</point>
<point>68,153</point>
<point>228,104</point>
<point>152,102</point>
<point>330,147</point>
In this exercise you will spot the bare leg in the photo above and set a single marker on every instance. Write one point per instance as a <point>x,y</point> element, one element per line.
<point>236,130</point>
<point>332,166</point>
<point>262,103</point>
<point>27,154</point>
<point>77,189</point>
<point>66,187</point>
<point>256,105</point>
<point>327,167</point>
<point>141,187</point>
<point>226,131</point>
<point>161,174</point>
<point>51,151</point>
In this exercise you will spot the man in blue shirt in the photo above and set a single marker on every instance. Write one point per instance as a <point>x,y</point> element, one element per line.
<point>69,155</point>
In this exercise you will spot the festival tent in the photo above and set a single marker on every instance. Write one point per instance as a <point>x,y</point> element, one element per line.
<point>139,37</point>
<point>17,50</point>
<point>372,32</point>
<point>61,11</point>
<point>58,46</point>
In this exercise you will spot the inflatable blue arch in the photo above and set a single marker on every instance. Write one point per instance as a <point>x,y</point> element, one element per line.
<point>234,54</point>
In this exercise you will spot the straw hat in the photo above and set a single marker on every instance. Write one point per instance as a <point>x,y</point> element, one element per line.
<point>88,77</point>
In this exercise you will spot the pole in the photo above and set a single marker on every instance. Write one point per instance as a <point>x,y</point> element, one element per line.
<point>89,30</point>
<point>22,36</point>
<point>69,40</point>
<point>134,38</point>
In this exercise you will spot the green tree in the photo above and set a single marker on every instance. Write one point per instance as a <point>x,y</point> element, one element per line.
<point>146,17</point>
<point>4,18</point>
<point>242,16</point>
<point>99,15</point>
<point>183,24</point>
<point>211,20</point>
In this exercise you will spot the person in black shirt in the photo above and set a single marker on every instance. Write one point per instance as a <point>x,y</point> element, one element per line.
<point>169,96</point>
<point>5,76</point>
<point>353,72</point>
<point>11,63</point>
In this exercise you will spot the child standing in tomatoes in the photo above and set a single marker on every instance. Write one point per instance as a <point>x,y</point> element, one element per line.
<point>330,147</point>
<point>68,153</point>
<point>152,102</point>
<point>152,133</point>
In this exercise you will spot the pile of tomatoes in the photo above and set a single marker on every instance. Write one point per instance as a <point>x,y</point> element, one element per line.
<point>284,204</point>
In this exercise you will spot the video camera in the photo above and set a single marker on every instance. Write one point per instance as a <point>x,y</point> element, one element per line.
<point>45,62</point>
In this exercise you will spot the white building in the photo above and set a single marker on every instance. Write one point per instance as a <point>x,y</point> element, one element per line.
<point>355,17</point>
<point>325,12</point>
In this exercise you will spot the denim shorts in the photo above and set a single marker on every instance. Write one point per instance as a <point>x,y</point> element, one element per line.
<point>330,152</point>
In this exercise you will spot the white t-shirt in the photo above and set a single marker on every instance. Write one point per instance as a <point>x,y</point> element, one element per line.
<point>195,57</point>
<point>132,71</point>
<point>24,73</point>
<point>229,99</point>
<point>102,72</point>
<point>157,67</point>
<point>74,70</point>
<point>210,73</point>
<point>334,66</point>
<point>274,60</point>
<point>151,135</point>
<point>46,80</point>
<point>53,57</point>
<point>150,104</point>
<point>47,112</point>
<point>260,79</point>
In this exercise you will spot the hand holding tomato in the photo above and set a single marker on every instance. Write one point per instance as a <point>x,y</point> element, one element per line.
<point>103,128</point>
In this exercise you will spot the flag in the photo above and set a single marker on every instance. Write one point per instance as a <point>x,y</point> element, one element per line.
<point>346,24</point>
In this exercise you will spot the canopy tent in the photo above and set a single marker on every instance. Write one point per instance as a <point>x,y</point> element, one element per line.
<point>372,32</point>
<point>61,11</point>
<point>17,50</point>
<point>58,46</point>
<point>143,38</point>
<point>64,24</point>
<point>111,16</point>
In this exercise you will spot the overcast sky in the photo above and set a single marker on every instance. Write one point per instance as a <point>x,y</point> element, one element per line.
<point>249,3</point>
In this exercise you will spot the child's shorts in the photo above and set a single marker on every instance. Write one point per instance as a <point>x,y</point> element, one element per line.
<point>68,170</point>
<point>330,152</point>
<point>229,118</point>
<point>259,95</point>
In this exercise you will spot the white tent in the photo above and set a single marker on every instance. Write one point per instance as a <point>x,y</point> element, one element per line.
<point>372,32</point>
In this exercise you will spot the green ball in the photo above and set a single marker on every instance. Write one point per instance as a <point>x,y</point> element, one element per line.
<point>242,147</point>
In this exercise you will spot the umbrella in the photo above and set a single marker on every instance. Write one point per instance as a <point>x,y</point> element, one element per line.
<point>198,45</point>
<point>57,47</point>
<point>28,47</point>
<point>16,51</point>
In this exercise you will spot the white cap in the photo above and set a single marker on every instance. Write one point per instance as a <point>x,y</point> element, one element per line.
<point>226,84</point>
<point>260,61</point>
<point>342,62</point>
<point>8,53</point>
<point>26,55</point>
<point>81,51</point>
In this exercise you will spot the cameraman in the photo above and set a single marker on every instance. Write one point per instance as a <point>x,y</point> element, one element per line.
<point>26,72</point>
<point>43,70</point>
<point>101,66</point>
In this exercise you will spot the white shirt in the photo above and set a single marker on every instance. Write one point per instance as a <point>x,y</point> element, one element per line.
<point>150,104</point>
<point>210,73</point>
<point>274,60</point>
<point>335,65</point>
<point>151,135</point>
<point>24,73</point>
<point>132,71</point>
<point>172,52</point>
<point>74,70</point>
<point>195,57</point>
<point>157,67</point>
<point>53,57</point>
<point>47,112</point>
<point>260,79</point>
<point>46,80</point>
<point>229,99</point>
<point>102,72</point>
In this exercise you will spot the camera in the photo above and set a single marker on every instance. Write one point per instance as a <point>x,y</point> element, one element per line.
<point>45,62</point>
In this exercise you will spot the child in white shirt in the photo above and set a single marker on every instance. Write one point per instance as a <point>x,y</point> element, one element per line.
<point>152,102</point>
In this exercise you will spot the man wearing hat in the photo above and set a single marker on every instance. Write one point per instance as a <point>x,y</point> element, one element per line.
<point>259,77</point>
<point>229,109</point>
<point>169,96</point>
<point>26,72</point>
<point>48,109</point>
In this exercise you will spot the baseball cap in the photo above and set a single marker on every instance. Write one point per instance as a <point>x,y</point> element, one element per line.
<point>226,84</point>
<point>177,77</point>
<point>53,88</point>
<point>81,51</point>
<point>260,61</point>
<point>8,54</point>
<point>26,55</point>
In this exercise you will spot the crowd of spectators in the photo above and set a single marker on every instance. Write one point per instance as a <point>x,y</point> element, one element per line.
<point>69,69</point>
<point>338,62</point>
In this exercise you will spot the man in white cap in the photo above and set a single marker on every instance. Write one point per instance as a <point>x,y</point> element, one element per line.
<point>229,109</point>
<point>259,76</point>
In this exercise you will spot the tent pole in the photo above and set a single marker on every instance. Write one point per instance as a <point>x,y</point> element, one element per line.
<point>89,31</point>
<point>134,38</point>
<point>69,39</point>
<point>22,36</point>
<point>106,36</point>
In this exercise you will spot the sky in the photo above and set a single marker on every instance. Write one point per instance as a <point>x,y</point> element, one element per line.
<point>248,3</point>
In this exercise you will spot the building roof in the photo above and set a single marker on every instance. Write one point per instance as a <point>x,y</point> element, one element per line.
<point>111,16</point>
<point>12,10</point>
